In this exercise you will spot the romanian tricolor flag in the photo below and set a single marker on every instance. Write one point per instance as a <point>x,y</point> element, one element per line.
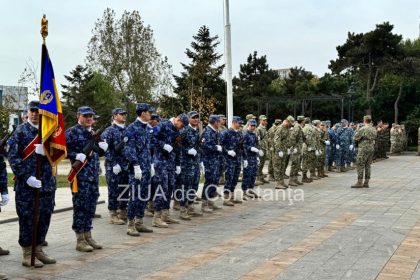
<point>52,120</point>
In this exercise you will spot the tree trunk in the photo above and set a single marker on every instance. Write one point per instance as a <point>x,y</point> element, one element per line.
<point>396,103</point>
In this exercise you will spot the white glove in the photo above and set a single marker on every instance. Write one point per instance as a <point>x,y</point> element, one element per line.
<point>168,148</point>
<point>317,153</point>
<point>327,143</point>
<point>261,153</point>
<point>4,199</point>
<point>137,172</point>
<point>289,151</point>
<point>34,182</point>
<point>178,170</point>
<point>219,148</point>
<point>81,157</point>
<point>255,150</point>
<point>351,147</point>
<point>281,154</point>
<point>231,153</point>
<point>202,169</point>
<point>103,145</point>
<point>309,149</point>
<point>192,152</point>
<point>39,149</point>
<point>245,163</point>
<point>116,169</point>
<point>152,170</point>
<point>295,151</point>
<point>258,161</point>
<point>337,147</point>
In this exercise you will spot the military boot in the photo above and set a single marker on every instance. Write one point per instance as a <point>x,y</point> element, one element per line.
<point>292,181</point>
<point>157,220</point>
<point>114,219</point>
<point>227,200</point>
<point>366,183</point>
<point>285,176</point>
<point>339,169</point>
<point>313,175</point>
<point>3,277</point>
<point>281,184</point>
<point>253,193</point>
<point>150,210</point>
<point>42,256</point>
<point>271,178</point>
<point>131,228</point>
<point>82,244</point>
<point>323,172</point>
<point>91,241</point>
<point>305,179</point>
<point>205,207</point>
<point>258,182</point>
<point>122,214</point>
<point>213,205</point>
<point>359,184</point>
<point>264,180</point>
<point>166,217</point>
<point>183,214</point>
<point>176,206</point>
<point>26,259</point>
<point>329,168</point>
<point>191,211</point>
<point>140,225</point>
<point>4,252</point>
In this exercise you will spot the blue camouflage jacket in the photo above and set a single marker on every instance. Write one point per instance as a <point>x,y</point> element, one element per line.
<point>3,176</point>
<point>190,139</point>
<point>232,140</point>
<point>23,169</point>
<point>209,140</point>
<point>167,134</point>
<point>250,140</point>
<point>137,148</point>
<point>113,135</point>
<point>77,137</point>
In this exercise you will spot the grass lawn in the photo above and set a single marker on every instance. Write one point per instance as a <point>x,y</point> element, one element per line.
<point>61,181</point>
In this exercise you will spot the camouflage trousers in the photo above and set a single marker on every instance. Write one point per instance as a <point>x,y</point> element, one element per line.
<point>309,161</point>
<point>279,165</point>
<point>262,163</point>
<point>270,163</point>
<point>296,164</point>
<point>363,162</point>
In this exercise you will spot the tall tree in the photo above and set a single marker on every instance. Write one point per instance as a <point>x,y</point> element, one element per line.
<point>124,51</point>
<point>200,86</point>
<point>254,83</point>
<point>366,55</point>
<point>87,88</point>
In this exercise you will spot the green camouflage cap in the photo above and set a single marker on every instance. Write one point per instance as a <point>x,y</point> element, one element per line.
<point>367,118</point>
<point>277,121</point>
<point>300,118</point>
<point>250,116</point>
<point>290,119</point>
<point>262,117</point>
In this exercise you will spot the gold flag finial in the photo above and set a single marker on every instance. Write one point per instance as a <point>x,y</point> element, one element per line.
<point>44,27</point>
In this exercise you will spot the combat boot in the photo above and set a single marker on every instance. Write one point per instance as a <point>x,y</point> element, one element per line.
<point>258,182</point>
<point>167,218</point>
<point>191,211</point>
<point>3,277</point>
<point>205,207</point>
<point>359,184</point>
<point>285,176</point>
<point>329,168</point>
<point>313,175</point>
<point>176,206</point>
<point>227,200</point>
<point>26,259</point>
<point>42,256</point>
<point>281,184</point>
<point>140,225</point>
<point>366,183</point>
<point>305,179</point>
<point>131,228</point>
<point>338,170</point>
<point>91,241</point>
<point>264,180</point>
<point>150,210</point>
<point>213,205</point>
<point>183,214</point>
<point>271,178</point>
<point>82,244</point>
<point>157,220</point>
<point>292,181</point>
<point>321,172</point>
<point>252,193</point>
<point>4,252</point>
<point>122,214</point>
<point>114,219</point>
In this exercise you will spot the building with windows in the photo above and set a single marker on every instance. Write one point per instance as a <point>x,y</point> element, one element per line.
<point>283,73</point>
<point>14,98</point>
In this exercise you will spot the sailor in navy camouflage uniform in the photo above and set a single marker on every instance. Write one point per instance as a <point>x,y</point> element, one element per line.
<point>190,166</point>
<point>153,128</point>
<point>232,141</point>
<point>211,151</point>
<point>137,152</point>
<point>3,191</point>
<point>116,167</point>
<point>85,199</point>
<point>167,163</point>
<point>250,159</point>
<point>23,165</point>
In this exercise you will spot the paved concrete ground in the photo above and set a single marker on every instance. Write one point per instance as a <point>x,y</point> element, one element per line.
<point>335,233</point>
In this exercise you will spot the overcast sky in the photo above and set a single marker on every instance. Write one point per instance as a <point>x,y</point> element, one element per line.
<point>291,33</point>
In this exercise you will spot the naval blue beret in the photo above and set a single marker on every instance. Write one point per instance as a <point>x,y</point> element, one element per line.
<point>184,119</point>
<point>192,114</point>
<point>33,105</point>
<point>214,118</point>
<point>144,107</point>
<point>118,111</point>
<point>237,119</point>
<point>85,110</point>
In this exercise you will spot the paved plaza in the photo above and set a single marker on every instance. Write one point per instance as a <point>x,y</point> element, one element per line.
<point>332,232</point>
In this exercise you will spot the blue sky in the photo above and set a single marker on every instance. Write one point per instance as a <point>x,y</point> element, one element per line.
<point>291,33</point>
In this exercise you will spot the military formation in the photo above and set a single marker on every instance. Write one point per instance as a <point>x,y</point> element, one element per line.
<point>154,161</point>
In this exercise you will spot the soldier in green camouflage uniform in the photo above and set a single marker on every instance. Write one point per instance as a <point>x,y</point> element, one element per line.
<point>320,148</point>
<point>270,146</point>
<point>281,148</point>
<point>365,139</point>
<point>296,142</point>
<point>262,146</point>
<point>308,149</point>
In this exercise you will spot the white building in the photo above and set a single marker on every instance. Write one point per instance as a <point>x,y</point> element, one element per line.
<point>15,98</point>
<point>283,73</point>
